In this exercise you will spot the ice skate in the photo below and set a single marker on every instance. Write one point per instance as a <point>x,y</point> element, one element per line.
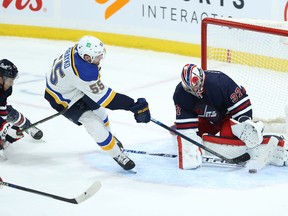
<point>35,133</point>
<point>124,161</point>
<point>119,144</point>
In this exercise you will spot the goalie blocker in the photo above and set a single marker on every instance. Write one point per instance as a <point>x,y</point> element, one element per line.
<point>235,139</point>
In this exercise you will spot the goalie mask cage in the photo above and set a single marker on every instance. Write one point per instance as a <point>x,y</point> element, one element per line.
<point>254,53</point>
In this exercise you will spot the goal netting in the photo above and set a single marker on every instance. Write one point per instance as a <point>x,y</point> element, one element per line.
<point>255,54</point>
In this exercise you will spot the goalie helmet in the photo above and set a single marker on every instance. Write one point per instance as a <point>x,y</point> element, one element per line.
<point>91,46</point>
<point>193,79</point>
<point>8,69</point>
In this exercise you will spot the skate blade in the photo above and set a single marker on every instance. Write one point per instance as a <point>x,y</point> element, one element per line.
<point>133,171</point>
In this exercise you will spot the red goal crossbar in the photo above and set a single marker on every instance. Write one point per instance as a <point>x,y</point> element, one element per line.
<point>231,24</point>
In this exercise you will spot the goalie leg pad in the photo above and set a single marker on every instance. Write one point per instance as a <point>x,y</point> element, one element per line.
<point>251,133</point>
<point>262,154</point>
<point>229,147</point>
<point>280,155</point>
<point>273,150</point>
<point>189,155</point>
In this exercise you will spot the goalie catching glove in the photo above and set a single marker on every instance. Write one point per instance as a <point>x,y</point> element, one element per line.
<point>8,132</point>
<point>141,111</point>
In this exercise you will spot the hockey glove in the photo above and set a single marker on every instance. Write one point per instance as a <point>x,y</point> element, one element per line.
<point>141,111</point>
<point>9,132</point>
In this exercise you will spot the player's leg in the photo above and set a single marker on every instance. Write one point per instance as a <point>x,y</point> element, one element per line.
<point>18,119</point>
<point>81,113</point>
<point>272,150</point>
<point>104,138</point>
<point>102,114</point>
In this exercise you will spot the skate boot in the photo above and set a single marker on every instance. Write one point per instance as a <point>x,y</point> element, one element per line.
<point>35,133</point>
<point>124,161</point>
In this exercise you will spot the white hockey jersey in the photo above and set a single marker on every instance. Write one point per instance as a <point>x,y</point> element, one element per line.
<point>71,78</point>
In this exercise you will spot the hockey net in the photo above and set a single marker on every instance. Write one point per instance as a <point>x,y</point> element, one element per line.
<point>254,53</point>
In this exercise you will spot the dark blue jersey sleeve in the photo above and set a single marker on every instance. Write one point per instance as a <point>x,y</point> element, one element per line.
<point>121,101</point>
<point>3,102</point>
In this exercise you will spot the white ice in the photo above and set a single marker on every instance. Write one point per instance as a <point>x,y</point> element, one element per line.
<point>67,161</point>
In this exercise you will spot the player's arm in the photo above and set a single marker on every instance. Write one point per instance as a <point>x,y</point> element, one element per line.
<point>108,98</point>
<point>240,111</point>
<point>7,130</point>
<point>238,103</point>
<point>186,118</point>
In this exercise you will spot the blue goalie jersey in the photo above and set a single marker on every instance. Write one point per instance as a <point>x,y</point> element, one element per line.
<point>222,99</point>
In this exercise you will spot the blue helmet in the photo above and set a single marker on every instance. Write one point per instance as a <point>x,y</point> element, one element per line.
<point>193,79</point>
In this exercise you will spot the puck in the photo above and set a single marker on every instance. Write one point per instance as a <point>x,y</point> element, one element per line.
<point>252,171</point>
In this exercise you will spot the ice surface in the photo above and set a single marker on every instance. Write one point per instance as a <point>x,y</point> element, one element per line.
<point>67,161</point>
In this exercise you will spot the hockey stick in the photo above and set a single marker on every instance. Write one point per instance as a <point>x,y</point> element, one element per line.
<point>42,120</point>
<point>152,154</point>
<point>240,159</point>
<point>81,198</point>
<point>205,159</point>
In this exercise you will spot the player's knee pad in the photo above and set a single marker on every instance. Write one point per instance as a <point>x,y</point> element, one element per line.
<point>189,155</point>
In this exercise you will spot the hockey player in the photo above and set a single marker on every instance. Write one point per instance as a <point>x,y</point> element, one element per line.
<point>11,120</point>
<point>74,84</point>
<point>209,103</point>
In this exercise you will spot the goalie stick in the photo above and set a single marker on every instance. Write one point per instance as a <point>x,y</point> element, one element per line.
<point>205,159</point>
<point>238,160</point>
<point>42,120</point>
<point>81,198</point>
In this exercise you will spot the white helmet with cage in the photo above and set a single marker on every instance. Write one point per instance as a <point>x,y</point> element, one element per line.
<point>91,46</point>
<point>193,79</point>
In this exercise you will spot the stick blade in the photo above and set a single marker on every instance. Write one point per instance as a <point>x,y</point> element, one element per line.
<point>89,192</point>
<point>242,158</point>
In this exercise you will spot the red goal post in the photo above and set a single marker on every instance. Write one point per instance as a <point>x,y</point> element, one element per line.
<point>255,54</point>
